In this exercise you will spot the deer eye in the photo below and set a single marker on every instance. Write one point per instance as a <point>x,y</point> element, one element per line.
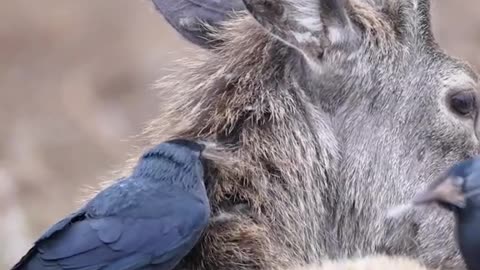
<point>463,103</point>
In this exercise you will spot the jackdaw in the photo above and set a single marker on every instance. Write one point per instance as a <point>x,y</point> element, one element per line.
<point>458,191</point>
<point>149,220</point>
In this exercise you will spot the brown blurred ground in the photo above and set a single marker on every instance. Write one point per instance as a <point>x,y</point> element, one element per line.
<point>74,87</point>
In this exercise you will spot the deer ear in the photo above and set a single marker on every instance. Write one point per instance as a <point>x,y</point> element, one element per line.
<point>309,26</point>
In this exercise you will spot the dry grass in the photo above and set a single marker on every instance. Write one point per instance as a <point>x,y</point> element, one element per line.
<point>74,79</point>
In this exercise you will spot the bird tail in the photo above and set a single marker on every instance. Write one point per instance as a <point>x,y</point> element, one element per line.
<point>32,261</point>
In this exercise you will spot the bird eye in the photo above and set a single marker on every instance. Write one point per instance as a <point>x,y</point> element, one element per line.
<point>463,103</point>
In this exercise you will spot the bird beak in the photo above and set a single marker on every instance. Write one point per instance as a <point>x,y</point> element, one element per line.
<point>211,153</point>
<point>219,156</point>
<point>446,191</point>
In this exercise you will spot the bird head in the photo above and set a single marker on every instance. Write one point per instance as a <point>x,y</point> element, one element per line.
<point>205,150</point>
<point>455,188</point>
<point>191,155</point>
<point>175,162</point>
<point>190,145</point>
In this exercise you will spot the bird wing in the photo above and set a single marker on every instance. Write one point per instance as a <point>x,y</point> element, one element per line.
<point>59,226</point>
<point>127,242</point>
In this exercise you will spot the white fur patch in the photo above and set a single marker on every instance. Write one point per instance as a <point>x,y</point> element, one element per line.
<point>399,210</point>
<point>459,80</point>
<point>337,34</point>
<point>310,23</point>
<point>222,217</point>
<point>306,37</point>
<point>307,14</point>
<point>415,4</point>
<point>229,76</point>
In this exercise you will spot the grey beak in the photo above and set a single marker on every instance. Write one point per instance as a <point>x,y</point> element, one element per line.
<point>446,190</point>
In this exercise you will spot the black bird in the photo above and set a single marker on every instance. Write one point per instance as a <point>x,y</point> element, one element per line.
<point>149,220</point>
<point>458,191</point>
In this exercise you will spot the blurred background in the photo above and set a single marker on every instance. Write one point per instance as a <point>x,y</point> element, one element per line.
<point>75,87</point>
